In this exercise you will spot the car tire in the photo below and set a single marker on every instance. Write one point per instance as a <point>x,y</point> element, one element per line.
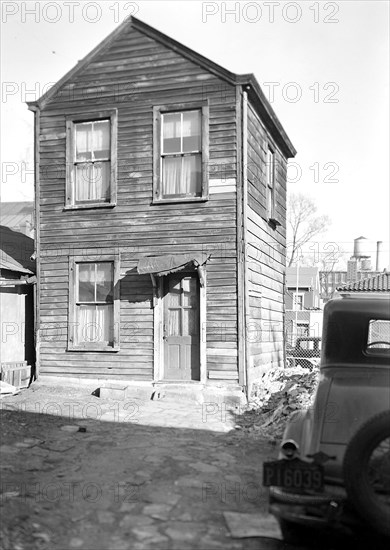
<point>360,491</point>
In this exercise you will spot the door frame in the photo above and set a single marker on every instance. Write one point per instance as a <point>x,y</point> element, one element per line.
<point>158,347</point>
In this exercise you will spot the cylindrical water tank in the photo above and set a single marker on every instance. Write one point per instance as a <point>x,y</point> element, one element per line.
<point>366,264</point>
<point>361,248</point>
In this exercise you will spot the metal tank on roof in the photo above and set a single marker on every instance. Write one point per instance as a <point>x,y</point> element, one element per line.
<point>361,248</point>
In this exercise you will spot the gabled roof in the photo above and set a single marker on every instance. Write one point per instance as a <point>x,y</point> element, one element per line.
<point>248,81</point>
<point>307,277</point>
<point>15,215</point>
<point>377,283</point>
<point>15,251</point>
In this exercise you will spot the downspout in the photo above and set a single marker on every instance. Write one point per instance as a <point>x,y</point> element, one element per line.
<point>245,231</point>
<point>35,109</point>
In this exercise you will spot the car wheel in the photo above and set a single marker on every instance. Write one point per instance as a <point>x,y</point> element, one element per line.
<point>367,472</point>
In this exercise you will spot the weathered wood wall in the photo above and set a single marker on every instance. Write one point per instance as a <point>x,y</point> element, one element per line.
<point>266,253</point>
<point>134,74</point>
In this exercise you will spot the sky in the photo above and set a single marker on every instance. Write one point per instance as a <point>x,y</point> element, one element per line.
<point>322,65</point>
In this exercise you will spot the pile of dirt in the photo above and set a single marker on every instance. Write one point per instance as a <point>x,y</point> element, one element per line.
<point>280,393</point>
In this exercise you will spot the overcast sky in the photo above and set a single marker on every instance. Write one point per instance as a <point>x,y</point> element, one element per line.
<point>323,65</point>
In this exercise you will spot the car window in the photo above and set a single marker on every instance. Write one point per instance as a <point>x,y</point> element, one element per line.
<point>306,344</point>
<point>378,341</point>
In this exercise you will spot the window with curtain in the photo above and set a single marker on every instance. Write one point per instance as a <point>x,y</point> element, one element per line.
<point>91,160</point>
<point>181,155</point>
<point>181,146</point>
<point>270,182</point>
<point>94,304</point>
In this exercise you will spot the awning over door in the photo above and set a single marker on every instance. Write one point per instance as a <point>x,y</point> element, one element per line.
<point>163,265</point>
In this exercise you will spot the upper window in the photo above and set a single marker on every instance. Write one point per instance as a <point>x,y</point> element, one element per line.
<point>297,301</point>
<point>181,154</point>
<point>270,183</point>
<point>94,305</point>
<point>91,161</point>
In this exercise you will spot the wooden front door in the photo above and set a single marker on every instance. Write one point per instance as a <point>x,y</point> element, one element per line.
<point>181,332</point>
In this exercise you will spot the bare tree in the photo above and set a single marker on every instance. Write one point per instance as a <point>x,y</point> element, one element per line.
<point>303,223</point>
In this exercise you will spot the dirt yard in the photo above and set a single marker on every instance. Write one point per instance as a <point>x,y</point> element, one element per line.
<point>82,472</point>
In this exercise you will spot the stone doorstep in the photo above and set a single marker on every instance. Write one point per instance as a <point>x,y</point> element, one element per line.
<point>120,390</point>
<point>200,393</point>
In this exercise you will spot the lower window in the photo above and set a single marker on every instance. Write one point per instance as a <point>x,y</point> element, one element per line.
<point>94,305</point>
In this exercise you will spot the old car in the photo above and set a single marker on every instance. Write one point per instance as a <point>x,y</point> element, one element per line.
<point>333,469</point>
<point>306,352</point>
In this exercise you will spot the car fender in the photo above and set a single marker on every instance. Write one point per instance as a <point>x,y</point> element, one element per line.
<point>298,429</point>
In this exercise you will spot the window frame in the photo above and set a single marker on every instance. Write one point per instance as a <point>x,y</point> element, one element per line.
<point>93,346</point>
<point>270,171</point>
<point>294,304</point>
<point>159,110</point>
<point>112,115</point>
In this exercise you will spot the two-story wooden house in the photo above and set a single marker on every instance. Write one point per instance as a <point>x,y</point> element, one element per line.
<point>160,206</point>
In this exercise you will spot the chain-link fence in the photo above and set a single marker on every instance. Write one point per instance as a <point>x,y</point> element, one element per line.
<point>303,351</point>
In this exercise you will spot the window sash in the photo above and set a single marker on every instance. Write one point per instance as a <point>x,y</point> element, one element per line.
<point>94,320</point>
<point>270,168</point>
<point>185,159</point>
<point>91,160</point>
<point>182,137</point>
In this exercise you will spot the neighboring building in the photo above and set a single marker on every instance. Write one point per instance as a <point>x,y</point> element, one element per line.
<point>376,285</point>
<point>17,280</point>
<point>161,201</point>
<point>303,303</point>
<point>359,267</point>
<point>18,216</point>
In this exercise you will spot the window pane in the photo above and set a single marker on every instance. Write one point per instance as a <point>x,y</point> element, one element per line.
<point>191,131</point>
<point>101,139</point>
<point>190,322</point>
<point>92,181</point>
<point>378,335</point>
<point>174,295</point>
<point>171,176</point>
<point>189,292</point>
<point>192,175</point>
<point>83,135</point>
<point>83,181</point>
<point>95,323</point>
<point>86,273</point>
<point>174,322</point>
<point>270,168</point>
<point>101,180</point>
<point>171,133</point>
<point>104,282</point>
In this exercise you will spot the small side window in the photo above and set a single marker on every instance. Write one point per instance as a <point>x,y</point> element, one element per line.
<point>378,341</point>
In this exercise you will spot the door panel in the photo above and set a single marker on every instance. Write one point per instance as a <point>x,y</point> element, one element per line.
<point>181,327</point>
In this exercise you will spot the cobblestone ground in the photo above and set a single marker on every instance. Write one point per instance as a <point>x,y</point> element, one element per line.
<point>140,474</point>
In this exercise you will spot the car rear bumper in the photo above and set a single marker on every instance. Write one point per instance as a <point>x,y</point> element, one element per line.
<point>315,510</point>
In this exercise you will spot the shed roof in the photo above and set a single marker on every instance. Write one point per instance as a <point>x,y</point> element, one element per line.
<point>376,283</point>
<point>307,277</point>
<point>248,81</point>
<point>15,214</point>
<point>15,251</point>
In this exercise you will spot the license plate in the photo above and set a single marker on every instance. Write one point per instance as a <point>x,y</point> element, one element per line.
<point>293,474</point>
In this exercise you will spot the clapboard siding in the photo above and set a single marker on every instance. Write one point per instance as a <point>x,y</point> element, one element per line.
<point>132,75</point>
<point>265,253</point>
